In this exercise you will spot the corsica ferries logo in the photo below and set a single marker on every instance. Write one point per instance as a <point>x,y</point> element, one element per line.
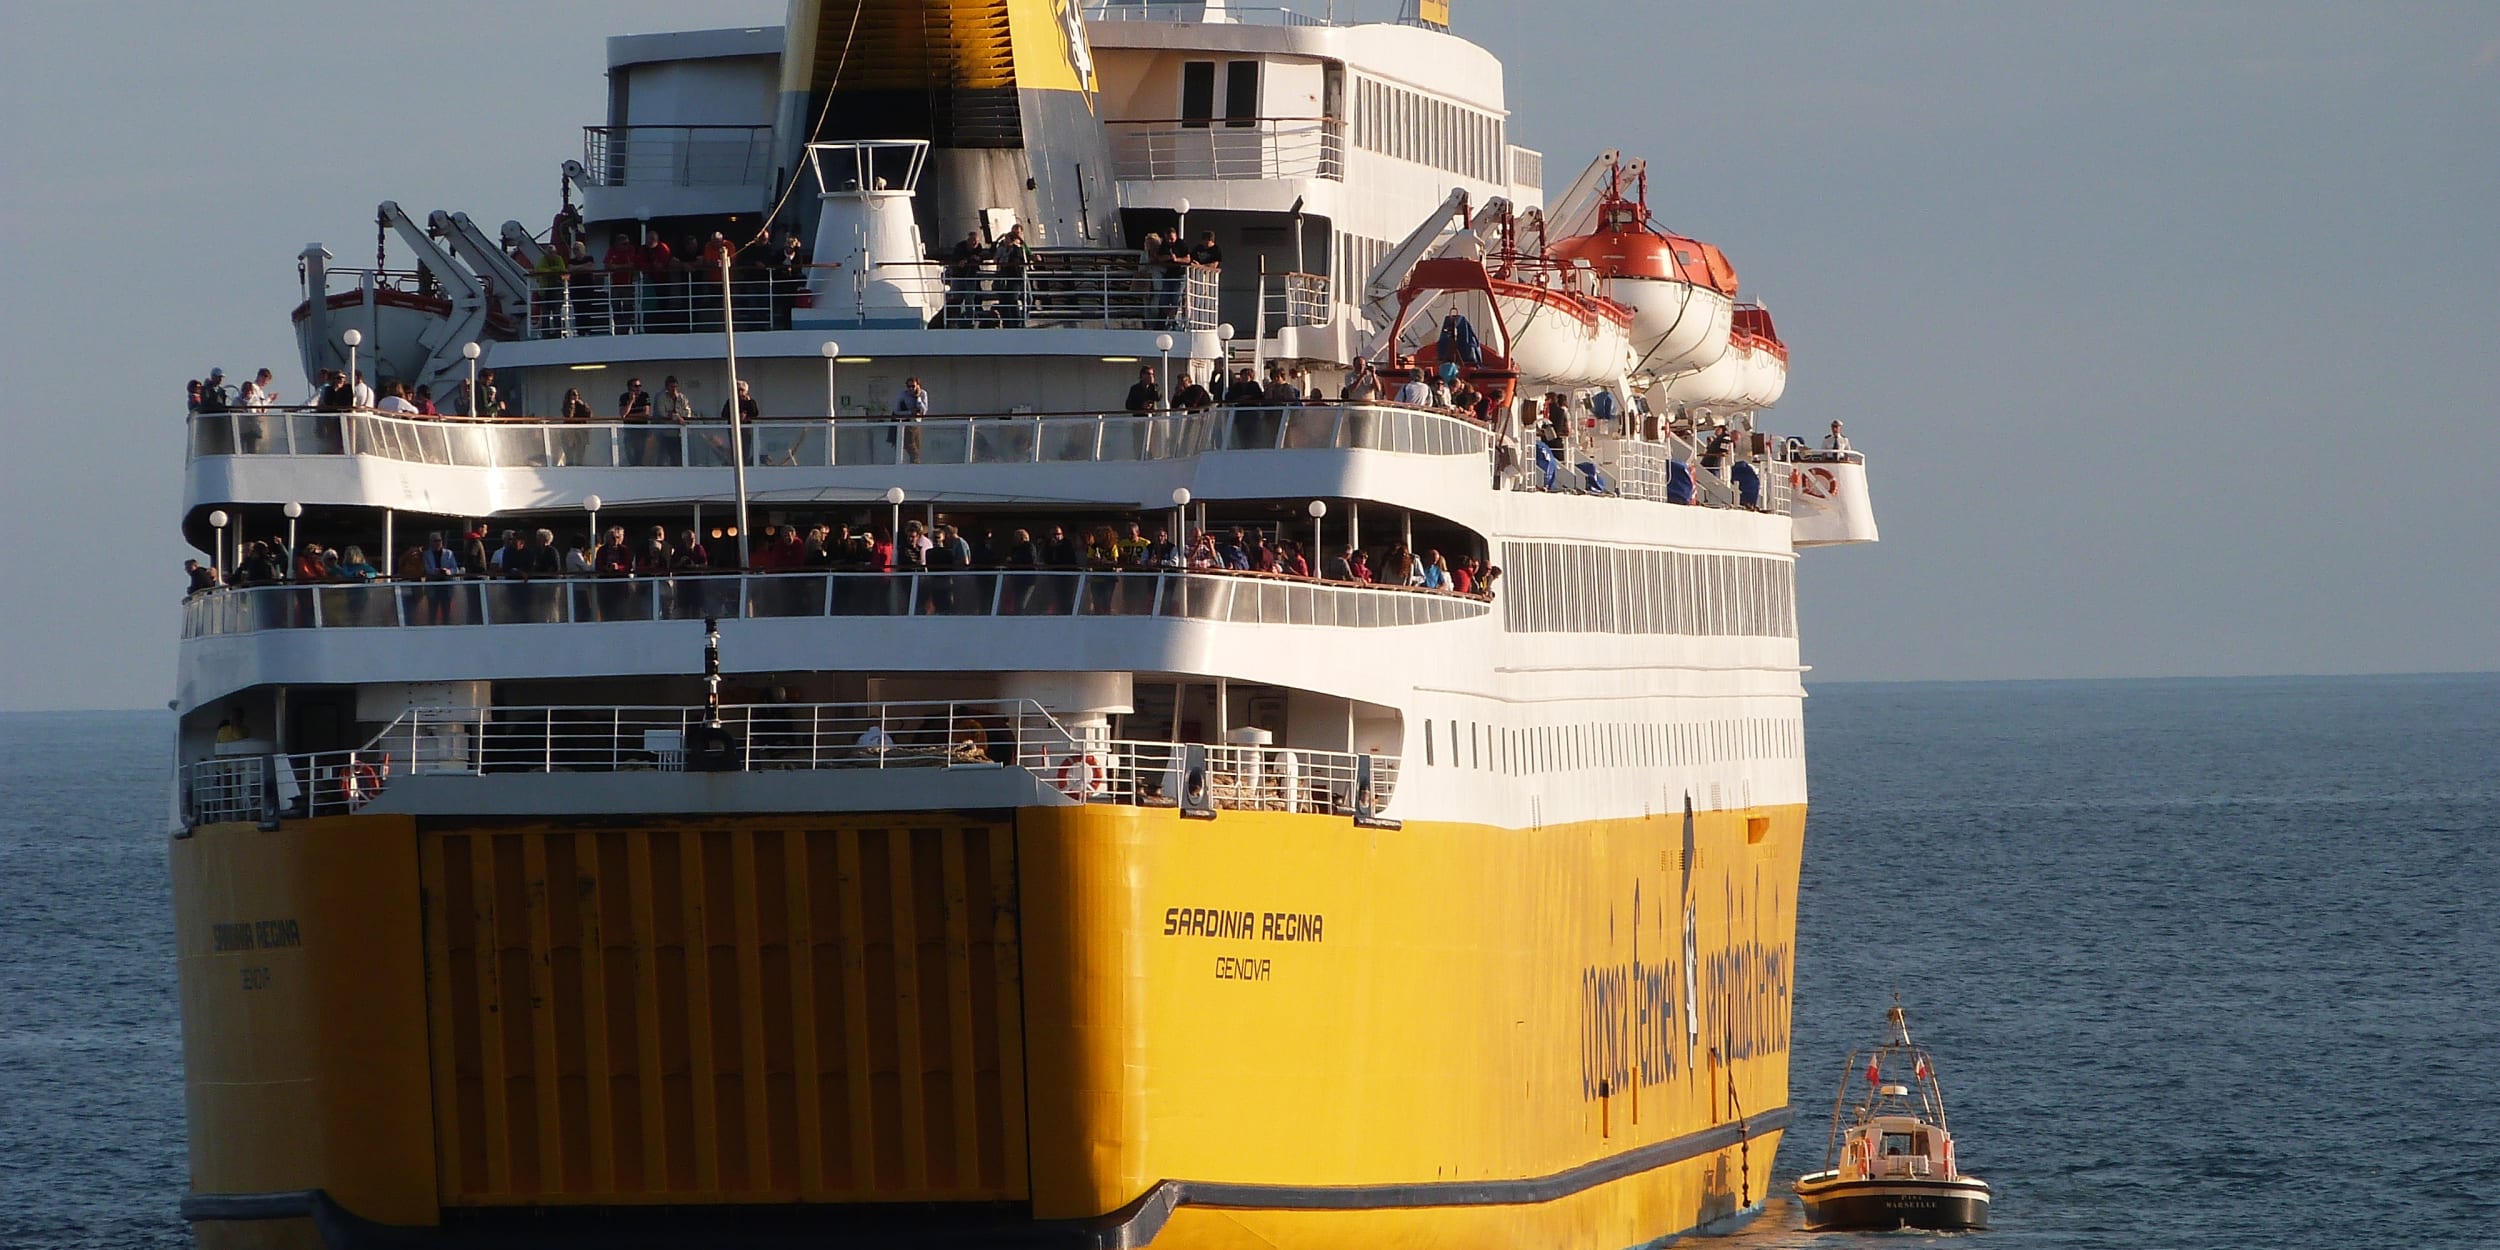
<point>1638,1025</point>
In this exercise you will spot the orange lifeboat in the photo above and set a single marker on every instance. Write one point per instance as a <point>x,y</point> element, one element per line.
<point>1682,291</point>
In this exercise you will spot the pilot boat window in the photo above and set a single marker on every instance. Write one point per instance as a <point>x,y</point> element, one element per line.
<point>1896,1143</point>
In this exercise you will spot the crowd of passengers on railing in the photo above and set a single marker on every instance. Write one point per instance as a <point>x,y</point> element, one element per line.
<point>827,547</point>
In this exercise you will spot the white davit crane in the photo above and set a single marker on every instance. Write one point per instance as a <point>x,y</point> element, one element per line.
<point>1380,288</point>
<point>1574,212</point>
<point>442,340</point>
<point>507,283</point>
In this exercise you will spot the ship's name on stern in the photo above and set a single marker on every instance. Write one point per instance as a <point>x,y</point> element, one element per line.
<point>1243,924</point>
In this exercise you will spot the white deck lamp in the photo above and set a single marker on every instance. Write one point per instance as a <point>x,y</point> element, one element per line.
<point>1319,509</point>
<point>1223,351</point>
<point>894,500</point>
<point>470,351</point>
<point>590,504</point>
<point>833,398</point>
<point>1180,521</point>
<point>217,521</point>
<point>352,338</point>
<point>294,512</point>
<point>1183,209</point>
<point>1163,344</point>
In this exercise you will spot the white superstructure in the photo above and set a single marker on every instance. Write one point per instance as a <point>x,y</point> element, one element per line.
<point>1639,650</point>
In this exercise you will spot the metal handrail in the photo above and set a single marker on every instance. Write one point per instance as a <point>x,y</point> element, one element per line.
<point>684,156</point>
<point>472,741</point>
<point>598,302</point>
<point>1229,148</point>
<point>1201,595</point>
<point>817,442</point>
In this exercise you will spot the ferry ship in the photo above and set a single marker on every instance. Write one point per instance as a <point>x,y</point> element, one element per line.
<point>757,885</point>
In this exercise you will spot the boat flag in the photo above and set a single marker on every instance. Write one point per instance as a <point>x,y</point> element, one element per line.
<point>1921,1069</point>
<point>1874,1072</point>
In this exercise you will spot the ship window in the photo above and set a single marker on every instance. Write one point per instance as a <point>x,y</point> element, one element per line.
<point>1475,745</point>
<point>1241,93</point>
<point>1197,92</point>
<point>1427,743</point>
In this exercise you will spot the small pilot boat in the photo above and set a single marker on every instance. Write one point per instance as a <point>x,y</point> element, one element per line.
<point>1889,1163</point>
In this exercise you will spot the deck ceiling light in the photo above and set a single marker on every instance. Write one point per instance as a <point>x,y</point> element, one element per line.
<point>1119,360</point>
<point>587,368</point>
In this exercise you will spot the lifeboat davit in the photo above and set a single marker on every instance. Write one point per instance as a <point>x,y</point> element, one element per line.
<point>1544,336</point>
<point>1682,292</point>
<point>1753,373</point>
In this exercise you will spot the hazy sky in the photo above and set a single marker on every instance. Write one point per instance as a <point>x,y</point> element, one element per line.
<point>2169,329</point>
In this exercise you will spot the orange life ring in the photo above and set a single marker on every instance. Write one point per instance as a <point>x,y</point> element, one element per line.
<point>1863,1156</point>
<point>1080,776</point>
<point>362,783</point>
<point>1817,481</point>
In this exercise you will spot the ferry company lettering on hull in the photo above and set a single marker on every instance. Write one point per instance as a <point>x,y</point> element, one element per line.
<point>1629,1014</point>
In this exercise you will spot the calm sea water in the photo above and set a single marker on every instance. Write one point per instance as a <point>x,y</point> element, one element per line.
<point>2207,963</point>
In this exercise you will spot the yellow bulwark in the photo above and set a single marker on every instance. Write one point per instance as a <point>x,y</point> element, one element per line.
<point>1268,1028</point>
<point>917,45</point>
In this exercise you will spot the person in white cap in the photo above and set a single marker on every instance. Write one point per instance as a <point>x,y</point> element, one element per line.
<point>1835,441</point>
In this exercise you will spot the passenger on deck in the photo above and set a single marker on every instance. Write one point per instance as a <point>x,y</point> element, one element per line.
<point>1013,258</point>
<point>1207,255</point>
<point>1363,385</point>
<point>747,408</point>
<point>613,558</point>
<point>1059,552</point>
<point>1144,395</point>
<point>1415,391</point>
<point>1280,387</point>
<point>963,278</point>
<point>394,401</point>
<point>912,405</point>
<point>258,392</point>
<point>308,565</point>
<point>1436,572</point>
<point>441,563</point>
<point>1362,563</point>
<point>1835,441</point>
<point>1192,397</point>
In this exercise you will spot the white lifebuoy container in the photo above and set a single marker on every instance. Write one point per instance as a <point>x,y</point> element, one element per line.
<point>1818,482</point>
<point>1080,776</point>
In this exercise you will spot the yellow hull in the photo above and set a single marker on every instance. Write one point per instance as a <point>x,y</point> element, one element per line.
<point>1106,1025</point>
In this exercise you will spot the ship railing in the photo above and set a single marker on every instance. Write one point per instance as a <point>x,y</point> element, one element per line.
<point>817,442</point>
<point>1235,777</point>
<point>1234,14</point>
<point>225,787</point>
<point>1295,299</point>
<point>452,741</point>
<point>1229,148</point>
<point>677,156</point>
<point>1224,597</point>
<point>1075,289</point>
<point>1669,470</point>
<point>1079,290</point>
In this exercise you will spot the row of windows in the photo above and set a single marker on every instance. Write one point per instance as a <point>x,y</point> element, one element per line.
<point>1241,93</point>
<point>1609,744</point>
<point>1583,589</point>
<point>1394,121</point>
